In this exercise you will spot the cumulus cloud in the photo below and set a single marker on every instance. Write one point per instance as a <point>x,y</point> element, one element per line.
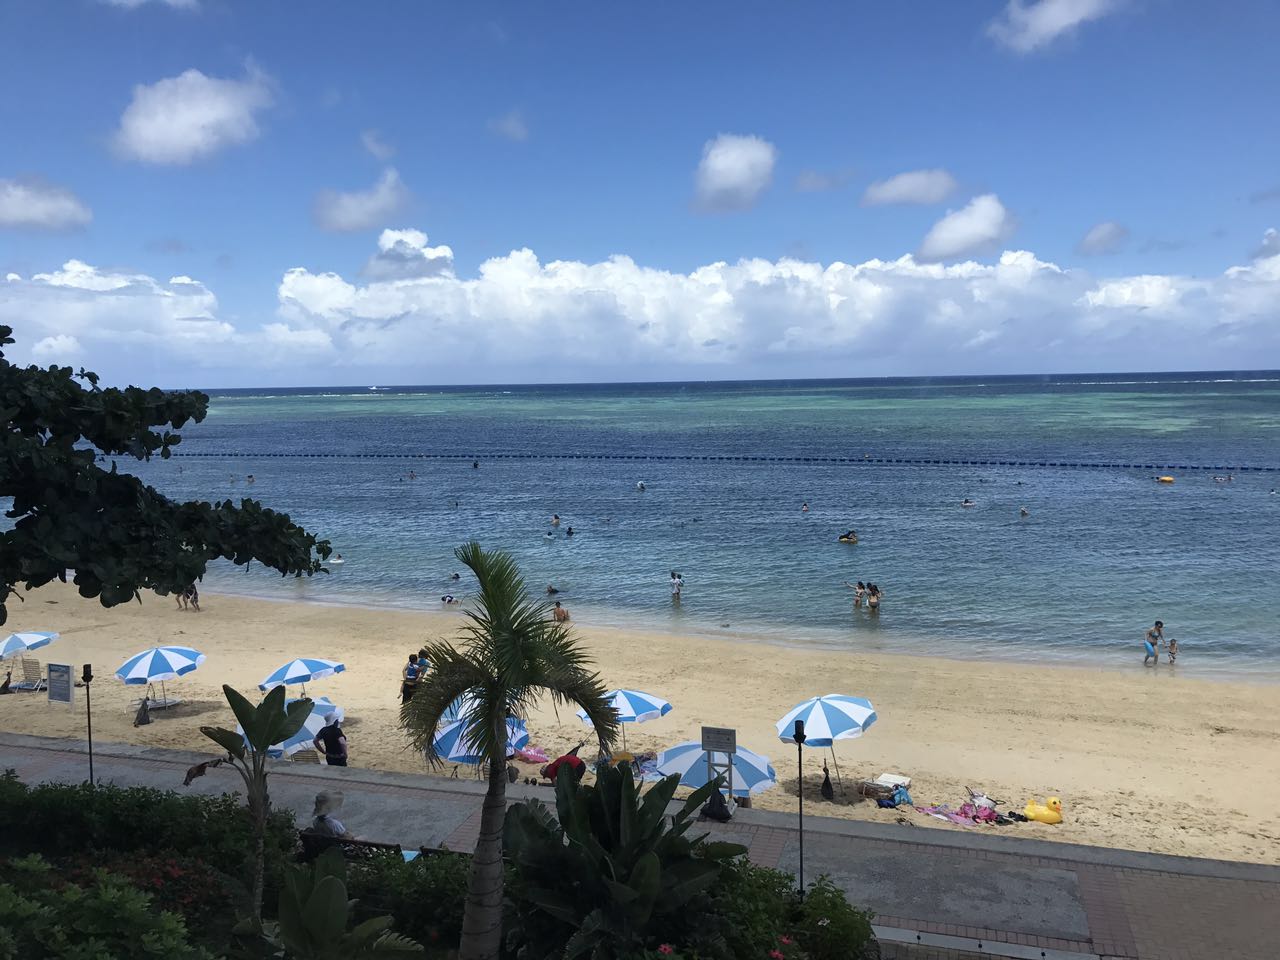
<point>815,181</point>
<point>189,117</point>
<point>1105,237</point>
<point>377,147</point>
<point>58,348</point>
<point>1270,245</point>
<point>404,255</point>
<point>980,225</point>
<point>1025,27</point>
<point>362,209</point>
<point>519,318</point>
<point>734,171</point>
<point>915,186</point>
<point>511,126</point>
<point>36,204</point>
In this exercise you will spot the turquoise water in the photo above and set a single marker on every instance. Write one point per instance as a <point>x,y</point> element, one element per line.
<point>1103,553</point>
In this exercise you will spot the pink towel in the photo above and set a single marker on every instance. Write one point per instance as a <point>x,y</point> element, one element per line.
<point>533,755</point>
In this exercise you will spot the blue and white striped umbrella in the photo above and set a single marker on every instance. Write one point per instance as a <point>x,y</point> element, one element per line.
<point>453,745</point>
<point>160,663</point>
<point>633,706</point>
<point>827,719</point>
<point>302,670</point>
<point>752,773</point>
<point>17,643</point>
<point>304,739</point>
<point>460,709</point>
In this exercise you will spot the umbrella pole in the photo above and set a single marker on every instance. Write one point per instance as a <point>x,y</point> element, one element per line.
<point>839,779</point>
<point>164,697</point>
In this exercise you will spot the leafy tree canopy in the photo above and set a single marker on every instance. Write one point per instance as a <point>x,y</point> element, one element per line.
<point>115,534</point>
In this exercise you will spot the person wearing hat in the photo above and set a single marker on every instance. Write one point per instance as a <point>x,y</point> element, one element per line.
<point>326,824</point>
<point>331,741</point>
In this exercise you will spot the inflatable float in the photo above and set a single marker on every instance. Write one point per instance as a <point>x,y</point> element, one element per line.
<point>1164,479</point>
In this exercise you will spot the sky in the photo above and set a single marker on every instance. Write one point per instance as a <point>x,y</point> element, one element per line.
<point>214,193</point>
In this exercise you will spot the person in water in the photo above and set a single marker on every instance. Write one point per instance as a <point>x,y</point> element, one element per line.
<point>455,576</point>
<point>1024,512</point>
<point>966,502</point>
<point>640,485</point>
<point>449,598</point>
<point>1152,642</point>
<point>555,519</point>
<point>850,535</point>
<point>804,507</point>
<point>677,586</point>
<point>859,591</point>
<point>873,597</point>
<point>552,590</point>
<point>569,532</point>
<point>559,613</point>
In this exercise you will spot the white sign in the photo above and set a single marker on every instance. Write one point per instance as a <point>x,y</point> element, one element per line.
<point>61,687</point>
<point>719,739</point>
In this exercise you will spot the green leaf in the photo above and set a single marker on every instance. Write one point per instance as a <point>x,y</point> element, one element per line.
<point>291,721</point>
<point>246,714</point>
<point>228,740</point>
<point>559,905</point>
<point>720,850</point>
<point>326,910</point>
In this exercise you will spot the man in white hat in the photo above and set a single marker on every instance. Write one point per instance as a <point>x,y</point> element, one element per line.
<point>331,741</point>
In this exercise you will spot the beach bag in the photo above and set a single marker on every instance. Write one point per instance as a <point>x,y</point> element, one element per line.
<point>716,808</point>
<point>828,793</point>
<point>901,797</point>
<point>143,716</point>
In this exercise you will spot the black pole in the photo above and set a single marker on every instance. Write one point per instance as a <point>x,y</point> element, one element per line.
<point>88,713</point>
<point>799,739</point>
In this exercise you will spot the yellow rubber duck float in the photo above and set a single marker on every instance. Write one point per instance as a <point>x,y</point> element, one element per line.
<point>1048,812</point>
<point>1164,479</point>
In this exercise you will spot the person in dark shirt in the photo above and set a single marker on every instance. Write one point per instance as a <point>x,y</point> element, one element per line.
<point>332,742</point>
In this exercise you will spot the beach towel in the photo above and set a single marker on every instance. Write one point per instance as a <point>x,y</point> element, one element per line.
<point>533,755</point>
<point>944,812</point>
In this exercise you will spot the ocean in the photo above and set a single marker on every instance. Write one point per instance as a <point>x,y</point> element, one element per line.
<point>386,474</point>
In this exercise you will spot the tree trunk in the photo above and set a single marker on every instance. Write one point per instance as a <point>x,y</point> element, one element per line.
<point>259,804</point>
<point>482,917</point>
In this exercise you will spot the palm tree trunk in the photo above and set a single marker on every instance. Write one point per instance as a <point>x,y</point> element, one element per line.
<point>482,917</point>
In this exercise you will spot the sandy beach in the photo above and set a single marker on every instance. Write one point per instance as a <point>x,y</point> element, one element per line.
<point>1142,759</point>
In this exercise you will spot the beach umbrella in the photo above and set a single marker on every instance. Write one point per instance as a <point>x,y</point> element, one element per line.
<point>302,670</point>
<point>632,706</point>
<point>321,707</point>
<point>752,773</point>
<point>827,719</point>
<point>159,663</point>
<point>18,643</point>
<point>454,746</point>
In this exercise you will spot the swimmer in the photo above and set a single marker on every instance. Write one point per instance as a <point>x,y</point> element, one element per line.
<point>640,485</point>
<point>552,590</point>
<point>337,558</point>
<point>249,479</point>
<point>449,598</point>
<point>569,532</point>
<point>549,535</point>
<point>1227,479</point>
<point>555,519</point>
<point>966,502</point>
<point>456,576</point>
<point>874,595</point>
<point>475,464</point>
<point>559,613</point>
<point>804,507</point>
<point>1024,512</point>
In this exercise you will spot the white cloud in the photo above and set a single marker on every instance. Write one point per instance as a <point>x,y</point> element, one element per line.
<point>362,209</point>
<point>33,203</point>
<point>511,126</point>
<point>404,255</point>
<point>1025,27</point>
<point>816,181</point>
<point>1270,245</point>
<point>734,171</point>
<point>521,319</point>
<point>377,147</point>
<point>186,118</point>
<point>979,226</point>
<point>1105,237</point>
<point>59,347</point>
<point>914,186</point>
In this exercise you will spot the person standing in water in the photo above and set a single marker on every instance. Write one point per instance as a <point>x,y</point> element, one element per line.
<point>804,507</point>
<point>859,591</point>
<point>555,519</point>
<point>559,613</point>
<point>677,586</point>
<point>873,598</point>
<point>1152,642</point>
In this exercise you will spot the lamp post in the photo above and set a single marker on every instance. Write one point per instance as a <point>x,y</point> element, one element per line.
<point>799,738</point>
<point>87,677</point>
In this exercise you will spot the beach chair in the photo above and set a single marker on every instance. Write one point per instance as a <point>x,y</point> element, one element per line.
<point>32,676</point>
<point>306,756</point>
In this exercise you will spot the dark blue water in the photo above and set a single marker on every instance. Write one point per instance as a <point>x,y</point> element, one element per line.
<point>1102,554</point>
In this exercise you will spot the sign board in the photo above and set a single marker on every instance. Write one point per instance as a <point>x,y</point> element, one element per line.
<point>61,685</point>
<point>719,739</point>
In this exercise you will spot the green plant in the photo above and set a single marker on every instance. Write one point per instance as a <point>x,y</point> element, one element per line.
<point>314,916</point>
<point>424,896</point>
<point>107,918</point>
<point>611,867</point>
<point>513,653</point>
<point>118,535</point>
<point>264,724</point>
<point>80,819</point>
<point>828,927</point>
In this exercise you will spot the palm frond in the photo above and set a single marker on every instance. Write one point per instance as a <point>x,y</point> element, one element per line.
<point>452,673</point>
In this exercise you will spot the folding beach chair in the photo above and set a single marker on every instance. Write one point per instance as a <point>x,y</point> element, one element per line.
<point>32,676</point>
<point>306,756</point>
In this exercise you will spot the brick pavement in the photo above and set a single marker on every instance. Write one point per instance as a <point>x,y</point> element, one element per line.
<point>1108,903</point>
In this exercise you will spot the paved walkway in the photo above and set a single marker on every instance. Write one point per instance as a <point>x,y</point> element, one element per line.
<point>935,894</point>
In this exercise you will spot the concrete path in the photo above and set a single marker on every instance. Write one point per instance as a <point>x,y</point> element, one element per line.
<point>935,894</point>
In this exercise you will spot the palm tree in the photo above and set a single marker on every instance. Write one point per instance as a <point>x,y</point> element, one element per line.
<point>513,653</point>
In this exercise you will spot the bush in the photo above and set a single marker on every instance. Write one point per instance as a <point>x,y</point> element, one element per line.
<point>827,927</point>
<point>44,917</point>
<point>62,819</point>
<point>425,896</point>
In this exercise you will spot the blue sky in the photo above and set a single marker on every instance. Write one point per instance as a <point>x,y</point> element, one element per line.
<point>211,141</point>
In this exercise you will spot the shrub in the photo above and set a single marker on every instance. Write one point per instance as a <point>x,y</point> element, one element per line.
<point>425,896</point>
<point>828,927</point>
<point>42,916</point>
<point>61,819</point>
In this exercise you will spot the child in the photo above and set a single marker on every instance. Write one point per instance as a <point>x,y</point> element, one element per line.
<point>1173,649</point>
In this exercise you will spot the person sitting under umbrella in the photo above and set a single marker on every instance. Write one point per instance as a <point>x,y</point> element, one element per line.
<point>332,742</point>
